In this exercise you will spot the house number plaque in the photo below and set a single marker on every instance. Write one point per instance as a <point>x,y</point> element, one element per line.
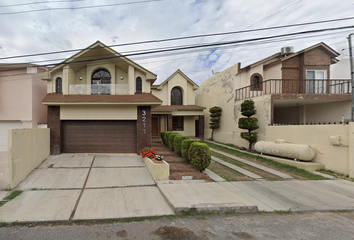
<point>143,112</point>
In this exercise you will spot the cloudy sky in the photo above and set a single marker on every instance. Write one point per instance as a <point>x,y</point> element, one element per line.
<point>39,26</point>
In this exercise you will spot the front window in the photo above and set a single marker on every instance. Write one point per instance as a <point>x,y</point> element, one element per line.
<point>256,82</point>
<point>58,85</point>
<point>101,82</point>
<point>177,123</point>
<point>176,96</point>
<point>315,81</point>
<point>139,87</point>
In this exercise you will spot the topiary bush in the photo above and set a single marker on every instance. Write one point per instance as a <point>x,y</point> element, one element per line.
<point>170,140</point>
<point>165,137</point>
<point>185,147</point>
<point>177,143</point>
<point>199,155</point>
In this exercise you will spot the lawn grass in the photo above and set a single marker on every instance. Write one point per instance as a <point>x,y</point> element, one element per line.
<point>224,176</point>
<point>290,169</point>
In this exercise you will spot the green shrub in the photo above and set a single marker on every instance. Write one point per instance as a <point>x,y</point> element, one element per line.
<point>162,135</point>
<point>185,147</point>
<point>171,140</point>
<point>177,143</point>
<point>165,137</point>
<point>199,155</point>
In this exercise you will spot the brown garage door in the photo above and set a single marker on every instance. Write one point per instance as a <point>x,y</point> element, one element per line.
<point>99,136</point>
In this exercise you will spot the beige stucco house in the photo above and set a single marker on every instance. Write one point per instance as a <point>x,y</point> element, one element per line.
<point>21,94</point>
<point>100,101</point>
<point>295,97</point>
<point>178,111</point>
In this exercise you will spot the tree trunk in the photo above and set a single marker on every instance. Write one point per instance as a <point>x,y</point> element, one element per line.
<point>212,135</point>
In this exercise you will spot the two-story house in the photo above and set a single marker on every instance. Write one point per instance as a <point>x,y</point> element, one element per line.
<point>102,102</point>
<point>289,88</point>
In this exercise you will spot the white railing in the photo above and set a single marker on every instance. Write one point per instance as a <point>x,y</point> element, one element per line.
<point>98,89</point>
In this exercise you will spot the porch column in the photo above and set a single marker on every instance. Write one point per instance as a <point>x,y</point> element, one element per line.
<point>54,124</point>
<point>201,127</point>
<point>143,127</point>
<point>169,122</point>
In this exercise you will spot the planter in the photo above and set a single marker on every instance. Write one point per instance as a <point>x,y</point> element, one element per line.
<point>159,170</point>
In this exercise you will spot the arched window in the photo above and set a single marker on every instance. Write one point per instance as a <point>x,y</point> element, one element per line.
<point>138,85</point>
<point>101,82</point>
<point>58,85</point>
<point>176,96</point>
<point>256,82</point>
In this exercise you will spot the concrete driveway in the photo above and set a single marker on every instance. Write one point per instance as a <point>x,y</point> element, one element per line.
<point>85,186</point>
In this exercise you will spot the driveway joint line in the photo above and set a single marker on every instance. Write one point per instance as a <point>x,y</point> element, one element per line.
<point>82,191</point>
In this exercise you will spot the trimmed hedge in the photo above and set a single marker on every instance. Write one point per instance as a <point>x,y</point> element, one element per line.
<point>165,137</point>
<point>177,143</point>
<point>171,139</point>
<point>185,147</point>
<point>200,156</point>
<point>162,135</point>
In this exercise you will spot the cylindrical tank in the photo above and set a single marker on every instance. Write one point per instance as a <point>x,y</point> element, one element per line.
<point>289,150</point>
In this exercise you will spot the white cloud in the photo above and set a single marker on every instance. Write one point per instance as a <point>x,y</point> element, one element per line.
<point>56,30</point>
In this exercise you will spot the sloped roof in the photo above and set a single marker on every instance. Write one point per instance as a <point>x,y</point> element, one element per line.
<point>277,57</point>
<point>118,99</point>
<point>179,107</point>
<point>98,44</point>
<point>195,86</point>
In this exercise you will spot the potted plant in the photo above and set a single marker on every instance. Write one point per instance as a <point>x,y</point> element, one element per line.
<point>158,168</point>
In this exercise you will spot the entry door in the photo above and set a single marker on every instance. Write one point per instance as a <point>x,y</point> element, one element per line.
<point>155,126</point>
<point>315,81</point>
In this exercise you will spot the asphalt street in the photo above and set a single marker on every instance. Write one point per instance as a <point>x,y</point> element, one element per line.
<point>305,225</point>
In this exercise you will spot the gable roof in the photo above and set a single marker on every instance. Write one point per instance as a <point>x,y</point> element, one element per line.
<point>278,57</point>
<point>114,55</point>
<point>195,86</point>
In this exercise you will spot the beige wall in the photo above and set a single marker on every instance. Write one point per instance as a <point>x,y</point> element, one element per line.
<point>189,127</point>
<point>327,112</point>
<point>4,175</point>
<point>335,158</point>
<point>27,148</point>
<point>21,97</point>
<point>92,112</point>
<point>219,91</point>
<point>176,81</point>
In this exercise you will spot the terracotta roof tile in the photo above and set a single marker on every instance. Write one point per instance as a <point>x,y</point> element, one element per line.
<point>136,98</point>
<point>179,107</point>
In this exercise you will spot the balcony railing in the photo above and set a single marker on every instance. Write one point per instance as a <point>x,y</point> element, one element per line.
<point>286,86</point>
<point>98,89</point>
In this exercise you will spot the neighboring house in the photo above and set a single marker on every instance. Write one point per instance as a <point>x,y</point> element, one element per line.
<point>296,100</point>
<point>289,88</point>
<point>102,102</point>
<point>21,94</point>
<point>178,111</point>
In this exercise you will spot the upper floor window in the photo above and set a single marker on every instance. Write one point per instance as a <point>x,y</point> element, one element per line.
<point>256,82</point>
<point>176,96</point>
<point>58,85</point>
<point>139,85</point>
<point>101,82</point>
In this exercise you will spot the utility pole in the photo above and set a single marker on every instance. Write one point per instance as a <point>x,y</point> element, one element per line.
<point>351,73</point>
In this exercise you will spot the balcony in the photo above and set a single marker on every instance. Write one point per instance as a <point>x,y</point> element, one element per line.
<point>98,89</point>
<point>297,86</point>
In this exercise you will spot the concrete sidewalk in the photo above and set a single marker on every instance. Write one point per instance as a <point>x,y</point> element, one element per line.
<point>325,195</point>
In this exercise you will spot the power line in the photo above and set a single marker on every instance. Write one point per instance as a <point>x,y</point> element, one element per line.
<point>183,38</point>
<point>32,3</point>
<point>75,8</point>
<point>196,46</point>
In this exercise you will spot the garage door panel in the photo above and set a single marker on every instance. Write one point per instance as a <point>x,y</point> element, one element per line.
<point>99,136</point>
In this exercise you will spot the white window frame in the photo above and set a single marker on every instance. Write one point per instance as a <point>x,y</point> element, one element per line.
<point>316,87</point>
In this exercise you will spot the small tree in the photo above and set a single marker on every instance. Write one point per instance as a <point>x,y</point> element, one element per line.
<point>215,113</point>
<point>248,109</point>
